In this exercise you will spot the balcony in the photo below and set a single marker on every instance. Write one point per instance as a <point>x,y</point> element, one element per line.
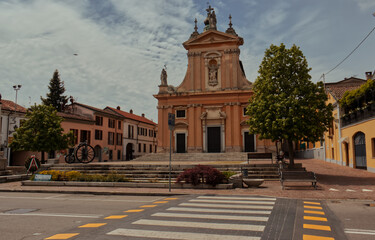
<point>358,115</point>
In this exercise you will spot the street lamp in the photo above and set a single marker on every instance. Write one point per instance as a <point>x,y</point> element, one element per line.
<point>16,88</point>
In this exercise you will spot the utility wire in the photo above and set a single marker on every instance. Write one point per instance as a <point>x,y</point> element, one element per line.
<point>350,52</point>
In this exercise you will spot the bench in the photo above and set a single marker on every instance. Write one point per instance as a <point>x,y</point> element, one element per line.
<point>297,176</point>
<point>298,169</point>
<point>256,155</point>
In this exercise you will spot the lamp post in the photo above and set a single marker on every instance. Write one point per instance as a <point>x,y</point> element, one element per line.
<point>16,88</point>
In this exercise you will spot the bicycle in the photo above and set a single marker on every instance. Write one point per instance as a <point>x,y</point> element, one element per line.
<point>83,153</point>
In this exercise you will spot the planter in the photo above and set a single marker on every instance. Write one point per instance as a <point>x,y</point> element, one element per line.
<point>253,182</point>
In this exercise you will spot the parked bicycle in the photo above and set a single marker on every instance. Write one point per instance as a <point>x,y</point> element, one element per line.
<point>83,153</point>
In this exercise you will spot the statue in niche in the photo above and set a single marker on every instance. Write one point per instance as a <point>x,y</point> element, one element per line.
<point>163,77</point>
<point>212,75</point>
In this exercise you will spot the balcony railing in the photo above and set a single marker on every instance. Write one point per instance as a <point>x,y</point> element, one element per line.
<point>358,115</point>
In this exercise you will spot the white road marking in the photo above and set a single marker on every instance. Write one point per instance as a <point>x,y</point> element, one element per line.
<point>53,215</point>
<point>225,226</point>
<point>176,235</point>
<point>226,206</point>
<point>350,190</point>
<point>214,210</point>
<point>239,198</point>
<point>333,189</point>
<point>359,231</point>
<point>367,190</point>
<point>233,202</point>
<point>209,216</point>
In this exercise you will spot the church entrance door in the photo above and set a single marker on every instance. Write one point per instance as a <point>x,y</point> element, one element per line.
<point>180,137</point>
<point>249,142</point>
<point>213,139</point>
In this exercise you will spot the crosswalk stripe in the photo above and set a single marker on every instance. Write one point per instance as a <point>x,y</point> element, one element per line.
<point>224,226</point>
<point>209,216</point>
<point>312,237</point>
<point>317,227</point>
<point>226,206</point>
<point>238,198</point>
<point>313,207</point>
<point>314,212</point>
<point>315,218</point>
<point>176,235</point>
<point>237,202</point>
<point>214,210</point>
<point>312,203</point>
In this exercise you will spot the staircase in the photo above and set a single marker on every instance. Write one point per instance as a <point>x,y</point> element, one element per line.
<point>193,157</point>
<point>10,174</point>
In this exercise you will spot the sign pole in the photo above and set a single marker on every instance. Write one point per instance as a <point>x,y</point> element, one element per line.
<point>170,157</point>
<point>171,124</point>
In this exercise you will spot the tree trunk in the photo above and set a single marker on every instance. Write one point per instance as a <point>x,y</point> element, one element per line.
<point>291,152</point>
<point>43,159</point>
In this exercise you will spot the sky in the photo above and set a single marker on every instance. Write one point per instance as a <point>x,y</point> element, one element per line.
<point>111,52</point>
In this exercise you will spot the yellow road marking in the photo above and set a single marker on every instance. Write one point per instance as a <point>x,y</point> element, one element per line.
<point>312,237</point>
<point>313,203</point>
<point>92,225</point>
<point>314,212</point>
<point>134,210</point>
<point>146,206</point>
<point>63,236</point>
<point>161,202</point>
<point>315,218</point>
<point>170,198</point>
<point>317,227</point>
<point>313,207</point>
<point>116,217</point>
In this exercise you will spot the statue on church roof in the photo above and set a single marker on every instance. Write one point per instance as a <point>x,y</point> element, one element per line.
<point>231,30</point>
<point>163,77</point>
<point>210,21</point>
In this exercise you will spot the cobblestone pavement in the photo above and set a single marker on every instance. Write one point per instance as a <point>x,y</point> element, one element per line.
<point>334,182</point>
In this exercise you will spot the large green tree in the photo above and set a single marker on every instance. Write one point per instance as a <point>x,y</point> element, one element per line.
<point>55,96</point>
<point>286,104</point>
<point>41,132</point>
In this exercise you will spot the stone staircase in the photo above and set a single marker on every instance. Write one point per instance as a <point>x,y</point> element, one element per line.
<point>11,174</point>
<point>193,157</point>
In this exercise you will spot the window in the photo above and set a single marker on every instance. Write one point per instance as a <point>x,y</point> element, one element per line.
<point>154,134</point>
<point>244,111</point>
<point>111,138</point>
<point>98,134</point>
<point>129,131</point>
<point>110,154</point>
<point>144,147</point>
<point>99,121</point>
<point>118,154</point>
<point>331,130</point>
<point>155,148</point>
<point>373,147</point>
<point>111,123</point>
<point>180,113</point>
<point>333,153</point>
<point>139,147</point>
<point>75,136</point>
<point>119,139</point>
<point>85,136</point>
<point>119,124</point>
<point>150,148</point>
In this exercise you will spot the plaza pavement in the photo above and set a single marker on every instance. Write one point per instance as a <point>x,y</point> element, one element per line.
<point>334,182</point>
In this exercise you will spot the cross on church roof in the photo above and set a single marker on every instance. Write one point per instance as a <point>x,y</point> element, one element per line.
<point>209,9</point>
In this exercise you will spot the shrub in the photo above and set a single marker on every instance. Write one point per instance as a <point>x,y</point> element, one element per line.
<point>228,174</point>
<point>201,174</point>
<point>81,177</point>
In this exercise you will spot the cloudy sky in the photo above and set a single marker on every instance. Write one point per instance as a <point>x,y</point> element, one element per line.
<point>121,46</point>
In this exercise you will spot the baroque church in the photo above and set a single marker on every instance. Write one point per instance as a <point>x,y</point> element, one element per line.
<point>210,103</point>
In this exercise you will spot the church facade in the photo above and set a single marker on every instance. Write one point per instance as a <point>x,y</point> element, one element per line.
<point>210,103</point>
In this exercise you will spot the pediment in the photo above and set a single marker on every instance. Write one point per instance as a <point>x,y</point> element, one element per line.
<point>212,36</point>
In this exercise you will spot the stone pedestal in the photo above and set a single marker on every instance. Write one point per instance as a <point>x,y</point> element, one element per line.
<point>3,163</point>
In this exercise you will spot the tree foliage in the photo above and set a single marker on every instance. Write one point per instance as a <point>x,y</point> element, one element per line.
<point>286,105</point>
<point>358,98</point>
<point>41,132</point>
<point>55,96</point>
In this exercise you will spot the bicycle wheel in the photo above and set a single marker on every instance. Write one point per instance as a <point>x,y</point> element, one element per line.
<point>85,153</point>
<point>69,159</point>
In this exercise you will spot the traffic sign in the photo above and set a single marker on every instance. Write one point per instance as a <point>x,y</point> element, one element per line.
<point>171,121</point>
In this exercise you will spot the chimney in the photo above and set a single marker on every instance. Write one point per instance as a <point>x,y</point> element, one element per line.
<point>143,115</point>
<point>369,75</point>
<point>131,111</point>
<point>118,108</point>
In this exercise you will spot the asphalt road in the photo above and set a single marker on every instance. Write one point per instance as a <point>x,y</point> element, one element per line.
<point>30,216</point>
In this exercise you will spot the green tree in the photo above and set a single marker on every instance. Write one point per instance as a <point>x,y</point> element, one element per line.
<point>55,96</point>
<point>286,105</point>
<point>41,132</point>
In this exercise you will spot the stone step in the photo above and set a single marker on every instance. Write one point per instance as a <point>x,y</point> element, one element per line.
<point>5,172</point>
<point>14,178</point>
